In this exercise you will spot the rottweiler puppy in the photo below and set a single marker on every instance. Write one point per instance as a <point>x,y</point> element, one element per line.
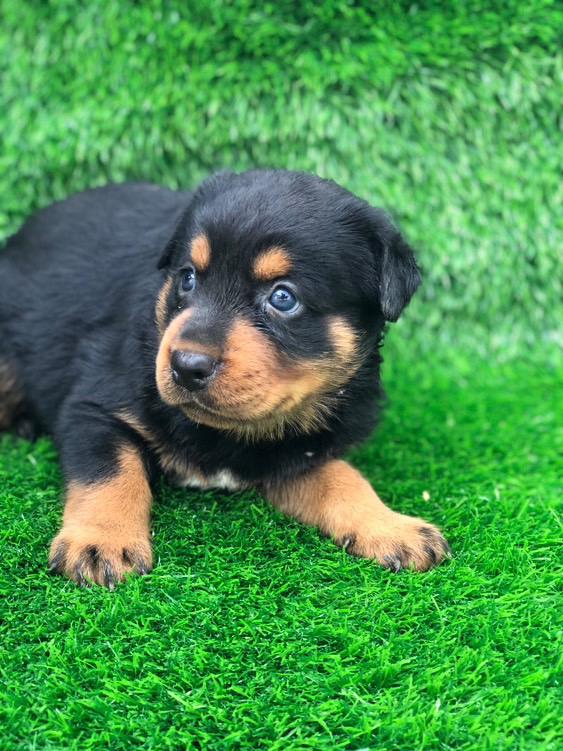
<point>227,337</point>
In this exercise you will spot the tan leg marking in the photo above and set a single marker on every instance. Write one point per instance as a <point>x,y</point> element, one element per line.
<point>343,505</point>
<point>105,532</point>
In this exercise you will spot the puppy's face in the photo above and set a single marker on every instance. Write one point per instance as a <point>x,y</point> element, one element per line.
<point>277,287</point>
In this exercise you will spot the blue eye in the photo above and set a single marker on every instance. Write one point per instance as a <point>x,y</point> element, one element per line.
<point>283,299</point>
<point>188,280</point>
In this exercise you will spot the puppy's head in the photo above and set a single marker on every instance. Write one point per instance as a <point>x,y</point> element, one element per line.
<point>277,288</point>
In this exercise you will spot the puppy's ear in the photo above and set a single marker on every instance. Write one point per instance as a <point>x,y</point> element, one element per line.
<point>174,246</point>
<point>398,273</point>
<point>166,256</point>
<point>400,277</point>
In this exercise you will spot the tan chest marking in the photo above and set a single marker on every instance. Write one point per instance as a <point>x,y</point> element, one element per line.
<point>186,476</point>
<point>222,480</point>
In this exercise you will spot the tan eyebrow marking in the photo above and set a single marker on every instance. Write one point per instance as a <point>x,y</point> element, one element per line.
<point>271,264</point>
<point>201,252</point>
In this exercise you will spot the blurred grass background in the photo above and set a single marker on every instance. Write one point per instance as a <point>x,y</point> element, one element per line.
<point>253,632</point>
<point>444,113</point>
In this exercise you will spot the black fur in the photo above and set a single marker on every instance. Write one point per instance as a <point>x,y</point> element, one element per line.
<point>79,281</point>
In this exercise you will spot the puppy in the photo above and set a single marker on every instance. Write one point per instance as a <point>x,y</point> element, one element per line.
<point>227,337</point>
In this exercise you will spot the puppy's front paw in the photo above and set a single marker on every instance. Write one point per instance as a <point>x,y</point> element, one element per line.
<point>398,542</point>
<point>101,555</point>
<point>338,500</point>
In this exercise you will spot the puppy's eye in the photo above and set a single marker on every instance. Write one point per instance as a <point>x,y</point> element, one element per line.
<point>188,280</point>
<point>284,300</point>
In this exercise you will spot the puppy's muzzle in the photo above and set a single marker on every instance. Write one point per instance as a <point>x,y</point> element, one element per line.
<point>192,370</point>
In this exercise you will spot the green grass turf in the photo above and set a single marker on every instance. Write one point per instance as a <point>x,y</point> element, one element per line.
<point>253,632</point>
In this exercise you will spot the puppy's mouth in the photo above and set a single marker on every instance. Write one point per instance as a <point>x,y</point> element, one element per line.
<point>201,404</point>
<point>268,417</point>
<point>247,411</point>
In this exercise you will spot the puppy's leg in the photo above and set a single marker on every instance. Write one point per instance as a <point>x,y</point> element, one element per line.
<point>105,532</point>
<point>342,504</point>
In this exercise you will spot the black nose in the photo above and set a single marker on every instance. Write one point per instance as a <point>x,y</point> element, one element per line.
<point>192,370</point>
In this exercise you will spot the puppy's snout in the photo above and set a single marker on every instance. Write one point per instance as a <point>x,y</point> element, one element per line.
<point>192,370</point>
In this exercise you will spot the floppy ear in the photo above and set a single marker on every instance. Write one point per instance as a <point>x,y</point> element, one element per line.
<point>174,245</point>
<point>398,273</point>
<point>400,277</point>
<point>166,256</point>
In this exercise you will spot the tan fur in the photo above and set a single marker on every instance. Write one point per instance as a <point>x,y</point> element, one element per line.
<point>186,345</point>
<point>257,392</point>
<point>177,467</point>
<point>172,464</point>
<point>135,423</point>
<point>271,264</point>
<point>11,395</point>
<point>111,517</point>
<point>201,252</point>
<point>344,506</point>
<point>171,336</point>
<point>161,305</point>
<point>345,341</point>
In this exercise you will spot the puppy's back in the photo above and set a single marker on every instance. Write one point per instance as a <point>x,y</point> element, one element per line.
<point>70,273</point>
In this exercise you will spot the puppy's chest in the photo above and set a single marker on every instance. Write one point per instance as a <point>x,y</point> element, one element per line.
<point>223,479</point>
<point>185,475</point>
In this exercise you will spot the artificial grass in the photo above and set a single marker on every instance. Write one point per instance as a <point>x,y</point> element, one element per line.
<point>444,113</point>
<point>253,632</point>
